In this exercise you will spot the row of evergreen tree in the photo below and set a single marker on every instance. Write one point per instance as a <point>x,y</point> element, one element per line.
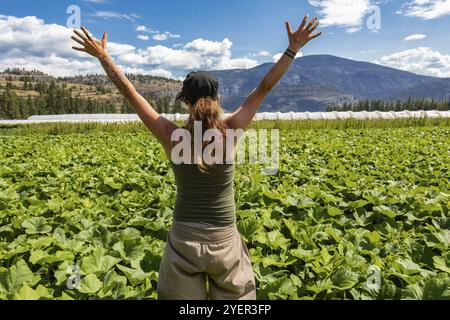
<point>53,98</point>
<point>96,79</point>
<point>60,99</point>
<point>399,105</point>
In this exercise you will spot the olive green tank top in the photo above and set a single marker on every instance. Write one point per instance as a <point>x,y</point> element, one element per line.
<point>205,197</point>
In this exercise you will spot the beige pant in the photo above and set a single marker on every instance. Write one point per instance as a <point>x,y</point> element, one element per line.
<point>198,256</point>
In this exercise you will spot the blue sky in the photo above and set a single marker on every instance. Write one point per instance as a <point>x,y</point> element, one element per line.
<point>176,36</point>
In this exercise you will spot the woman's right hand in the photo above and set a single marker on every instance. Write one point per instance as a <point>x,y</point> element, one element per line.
<point>92,46</point>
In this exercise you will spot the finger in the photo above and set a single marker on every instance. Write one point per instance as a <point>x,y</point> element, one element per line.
<point>104,40</point>
<point>303,24</point>
<point>82,36</point>
<point>86,32</point>
<point>288,28</point>
<point>79,49</point>
<point>314,27</point>
<point>315,35</point>
<point>311,23</point>
<point>78,40</point>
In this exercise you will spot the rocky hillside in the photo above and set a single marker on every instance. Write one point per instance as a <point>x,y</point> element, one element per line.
<point>90,86</point>
<point>26,93</point>
<point>314,82</point>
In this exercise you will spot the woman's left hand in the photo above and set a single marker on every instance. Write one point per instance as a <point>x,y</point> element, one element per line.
<point>303,35</point>
<point>92,46</point>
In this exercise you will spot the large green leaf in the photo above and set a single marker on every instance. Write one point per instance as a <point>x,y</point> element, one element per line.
<point>437,288</point>
<point>36,225</point>
<point>90,284</point>
<point>98,263</point>
<point>248,228</point>
<point>406,266</point>
<point>43,257</point>
<point>130,250</point>
<point>442,264</point>
<point>344,278</point>
<point>135,276</point>
<point>16,276</point>
<point>273,239</point>
<point>27,293</point>
<point>384,210</point>
<point>149,262</point>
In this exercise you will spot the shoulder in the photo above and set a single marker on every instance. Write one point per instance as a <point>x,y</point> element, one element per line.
<point>169,128</point>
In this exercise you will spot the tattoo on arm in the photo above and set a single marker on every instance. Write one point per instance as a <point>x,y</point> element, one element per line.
<point>116,76</point>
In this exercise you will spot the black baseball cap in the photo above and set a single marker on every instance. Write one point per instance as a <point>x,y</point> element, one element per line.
<point>199,84</point>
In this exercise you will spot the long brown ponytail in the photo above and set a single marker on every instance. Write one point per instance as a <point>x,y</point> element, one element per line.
<point>209,112</point>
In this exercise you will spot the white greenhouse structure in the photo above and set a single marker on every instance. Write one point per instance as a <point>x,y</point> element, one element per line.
<point>289,116</point>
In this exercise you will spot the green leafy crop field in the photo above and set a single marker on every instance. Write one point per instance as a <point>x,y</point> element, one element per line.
<point>352,214</point>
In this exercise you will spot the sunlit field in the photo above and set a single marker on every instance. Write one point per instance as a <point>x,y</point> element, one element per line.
<point>358,210</point>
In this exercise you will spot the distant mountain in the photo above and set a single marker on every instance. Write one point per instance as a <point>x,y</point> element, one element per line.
<point>311,84</point>
<point>438,89</point>
<point>314,82</point>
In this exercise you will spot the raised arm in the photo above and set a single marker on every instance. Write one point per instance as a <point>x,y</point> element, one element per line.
<point>161,127</point>
<point>244,115</point>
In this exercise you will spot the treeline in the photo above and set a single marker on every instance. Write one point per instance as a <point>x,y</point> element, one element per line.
<point>59,99</point>
<point>22,72</point>
<point>102,80</point>
<point>400,105</point>
<point>51,99</point>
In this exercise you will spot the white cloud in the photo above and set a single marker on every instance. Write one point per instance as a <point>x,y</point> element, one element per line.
<point>143,37</point>
<point>370,51</point>
<point>164,36</point>
<point>141,29</point>
<point>152,72</point>
<point>145,29</point>
<point>31,36</point>
<point>415,37</point>
<point>426,9</point>
<point>31,43</point>
<point>197,54</point>
<point>261,54</point>
<point>344,13</point>
<point>95,1</point>
<point>207,47</point>
<point>264,54</point>
<point>116,15</point>
<point>160,73</point>
<point>52,65</point>
<point>353,29</point>
<point>117,49</point>
<point>158,35</point>
<point>421,60</point>
<point>277,57</point>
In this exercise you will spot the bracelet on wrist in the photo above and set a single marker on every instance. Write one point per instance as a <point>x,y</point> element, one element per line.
<point>294,52</point>
<point>290,53</point>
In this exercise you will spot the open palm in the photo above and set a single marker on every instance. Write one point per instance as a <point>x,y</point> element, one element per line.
<point>303,35</point>
<point>92,46</point>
